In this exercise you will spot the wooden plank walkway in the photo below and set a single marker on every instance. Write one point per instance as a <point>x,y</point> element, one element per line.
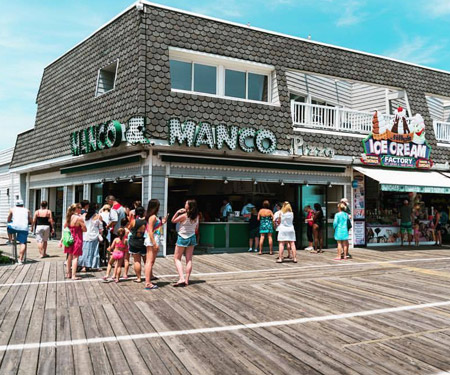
<point>383,312</point>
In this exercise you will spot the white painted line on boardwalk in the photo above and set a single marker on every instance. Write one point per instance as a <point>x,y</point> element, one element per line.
<point>98,340</point>
<point>280,270</point>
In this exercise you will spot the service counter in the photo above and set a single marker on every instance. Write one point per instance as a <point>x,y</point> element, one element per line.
<point>224,235</point>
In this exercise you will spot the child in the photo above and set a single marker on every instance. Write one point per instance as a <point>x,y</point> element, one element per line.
<point>119,248</point>
<point>416,231</point>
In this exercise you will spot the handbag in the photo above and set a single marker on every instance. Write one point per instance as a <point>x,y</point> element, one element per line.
<point>67,238</point>
<point>349,224</point>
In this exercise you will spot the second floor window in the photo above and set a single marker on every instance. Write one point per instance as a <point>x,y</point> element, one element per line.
<point>218,76</point>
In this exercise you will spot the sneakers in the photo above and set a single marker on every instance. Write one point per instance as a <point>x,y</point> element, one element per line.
<point>256,250</point>
<point>349,256</point>
<point>309,248</point>
<point>19,262</point>
<point>250,250</point>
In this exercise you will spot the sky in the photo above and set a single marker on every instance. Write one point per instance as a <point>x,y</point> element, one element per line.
<point>33,33</point>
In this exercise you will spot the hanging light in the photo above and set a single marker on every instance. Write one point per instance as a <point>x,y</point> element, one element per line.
<point>329,184</point>
<point>116,180</point>
<point>255,182</point>
<point>225,180</point>
<point>281,182</point>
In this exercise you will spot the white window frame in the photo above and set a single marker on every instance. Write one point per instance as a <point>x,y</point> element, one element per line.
<point>222,63</point>
<point>98,78</point>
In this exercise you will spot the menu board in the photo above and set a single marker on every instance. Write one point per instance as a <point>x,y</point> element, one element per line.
<point>359,206</point>
<point>359,233</point>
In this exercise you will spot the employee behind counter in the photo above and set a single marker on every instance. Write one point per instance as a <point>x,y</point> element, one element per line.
<point>226,210</point>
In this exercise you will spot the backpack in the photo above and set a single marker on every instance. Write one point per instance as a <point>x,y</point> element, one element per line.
<point>67,238</point>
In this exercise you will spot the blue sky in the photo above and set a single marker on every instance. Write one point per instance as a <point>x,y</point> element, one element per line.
<point>33,33</point>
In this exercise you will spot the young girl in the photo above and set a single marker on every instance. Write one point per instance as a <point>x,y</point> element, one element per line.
<point>187,218</point>
<point>416,232</point>
<point>119,248</point>
<point>153,240</point>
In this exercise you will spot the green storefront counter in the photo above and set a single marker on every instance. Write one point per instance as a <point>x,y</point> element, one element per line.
<point>224,235</point>
<point>230,235</point>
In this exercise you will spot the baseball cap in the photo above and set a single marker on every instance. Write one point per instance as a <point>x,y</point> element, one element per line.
<point>19,202</point>
<point>344,200</point>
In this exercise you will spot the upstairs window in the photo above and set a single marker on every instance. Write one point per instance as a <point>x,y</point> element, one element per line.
<point>106,80</point>
<point>214,75</point>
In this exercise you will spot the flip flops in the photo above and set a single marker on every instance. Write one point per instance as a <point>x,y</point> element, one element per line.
<point>154,286</point>
<point>179,285</point>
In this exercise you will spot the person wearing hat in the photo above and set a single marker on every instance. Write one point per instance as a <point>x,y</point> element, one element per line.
<point>349,213</point>
<point>19,218</point>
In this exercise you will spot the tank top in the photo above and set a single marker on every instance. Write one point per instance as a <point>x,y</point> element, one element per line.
<point>42,220</point>
<point>19,218</point>
<point>136,240</point>
<point>187,228</point>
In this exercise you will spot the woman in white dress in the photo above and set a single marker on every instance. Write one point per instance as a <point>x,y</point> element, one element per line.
<point>286,232</point>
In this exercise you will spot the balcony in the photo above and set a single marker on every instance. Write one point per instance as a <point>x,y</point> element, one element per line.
<point>333,118</point>
<point>442,131</point>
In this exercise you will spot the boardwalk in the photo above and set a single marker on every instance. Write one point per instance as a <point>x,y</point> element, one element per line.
<point>380,313</point>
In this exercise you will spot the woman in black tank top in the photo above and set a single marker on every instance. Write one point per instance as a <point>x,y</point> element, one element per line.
<point>42,224</point>
<point>136,241</point>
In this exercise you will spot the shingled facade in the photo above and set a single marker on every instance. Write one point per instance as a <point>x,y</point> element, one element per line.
<point>139,39</point>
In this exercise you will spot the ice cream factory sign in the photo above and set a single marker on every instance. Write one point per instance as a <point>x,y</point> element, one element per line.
<point>397,142</point>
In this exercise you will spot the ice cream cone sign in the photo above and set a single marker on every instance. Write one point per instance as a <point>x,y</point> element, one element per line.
<point>418,126</point>
<point>376,124</point>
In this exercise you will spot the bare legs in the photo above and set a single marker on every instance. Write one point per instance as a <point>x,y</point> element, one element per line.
<point>318,239</point>
<point>152,251</point>
<point>126,261</point>
<point>292,250</point>
<point>179,250</point>
<point>261,242</point>
<point>23,249</point>
<point>342,250</point>
<point>137,266</point>
<point>71,267</point>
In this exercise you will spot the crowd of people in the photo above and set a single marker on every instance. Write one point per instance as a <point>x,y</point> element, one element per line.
<point>263,223</point>
<point>95,237</point>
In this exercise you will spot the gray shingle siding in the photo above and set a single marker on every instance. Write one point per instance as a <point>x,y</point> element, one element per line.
<point>141,41</point>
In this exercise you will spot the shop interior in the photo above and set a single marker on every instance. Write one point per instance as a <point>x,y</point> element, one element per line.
<point>383,214</point>
<point>126,191</point>
<point>211,193</point>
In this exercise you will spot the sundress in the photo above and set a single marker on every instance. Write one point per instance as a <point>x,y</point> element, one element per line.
<point>266,224</point>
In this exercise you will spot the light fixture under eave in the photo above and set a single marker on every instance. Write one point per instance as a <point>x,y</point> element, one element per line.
<point>255,182</point>
<point>306,183</point>
<point>281,182</point>
<point>329,184</point>
<point>225,180</point>
<point>116,180</point>
<point>103,180</point>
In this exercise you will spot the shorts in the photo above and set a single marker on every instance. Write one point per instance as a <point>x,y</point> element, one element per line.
<point>42,233</point>
<point>253,232</point>
<point>157,238</point>
<point>186,242</point>
<point>140,251</point>
<point>22,235</point>
<point>406,227</point>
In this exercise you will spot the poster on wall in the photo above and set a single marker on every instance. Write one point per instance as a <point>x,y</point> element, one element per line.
<point>397,142</point>
<point>359,233</point>
<point>359,211</point>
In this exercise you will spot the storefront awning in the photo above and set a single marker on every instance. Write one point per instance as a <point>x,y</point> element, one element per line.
<point>408,181</point>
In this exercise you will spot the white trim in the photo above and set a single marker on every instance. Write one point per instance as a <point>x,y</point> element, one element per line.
<point>440,144</point>
<point>96,95</point>
<point>46,163</point>
<point>227,97</point>
<point>143,155</point>
<point>166,205</point>
<point>187,55</point>
<point>328,132</point>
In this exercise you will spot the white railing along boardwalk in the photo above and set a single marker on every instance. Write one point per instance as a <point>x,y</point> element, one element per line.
<point>333,118</point>
<point>442,131</point>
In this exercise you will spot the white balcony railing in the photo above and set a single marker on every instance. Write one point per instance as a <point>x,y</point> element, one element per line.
<point>333,118</point>
<point>442,131</point>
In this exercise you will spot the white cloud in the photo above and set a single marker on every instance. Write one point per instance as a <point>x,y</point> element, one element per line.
<point>436,8</point>
<point>418,50</point>
<point>352,13</point>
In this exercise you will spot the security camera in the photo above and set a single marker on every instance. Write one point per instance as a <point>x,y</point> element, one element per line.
<point>152,143</point>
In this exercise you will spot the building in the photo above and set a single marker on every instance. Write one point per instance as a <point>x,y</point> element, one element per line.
<point>167,104</point>
<point>9,186</point>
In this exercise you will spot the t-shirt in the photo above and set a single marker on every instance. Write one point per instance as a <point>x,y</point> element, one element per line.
<point>247,209</point>
<point>118,210</point>
<point>405,214</point>
<point>227,209</point>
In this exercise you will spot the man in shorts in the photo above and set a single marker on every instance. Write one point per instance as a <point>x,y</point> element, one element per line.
<point>406,221</point>
<point>19,218</point>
